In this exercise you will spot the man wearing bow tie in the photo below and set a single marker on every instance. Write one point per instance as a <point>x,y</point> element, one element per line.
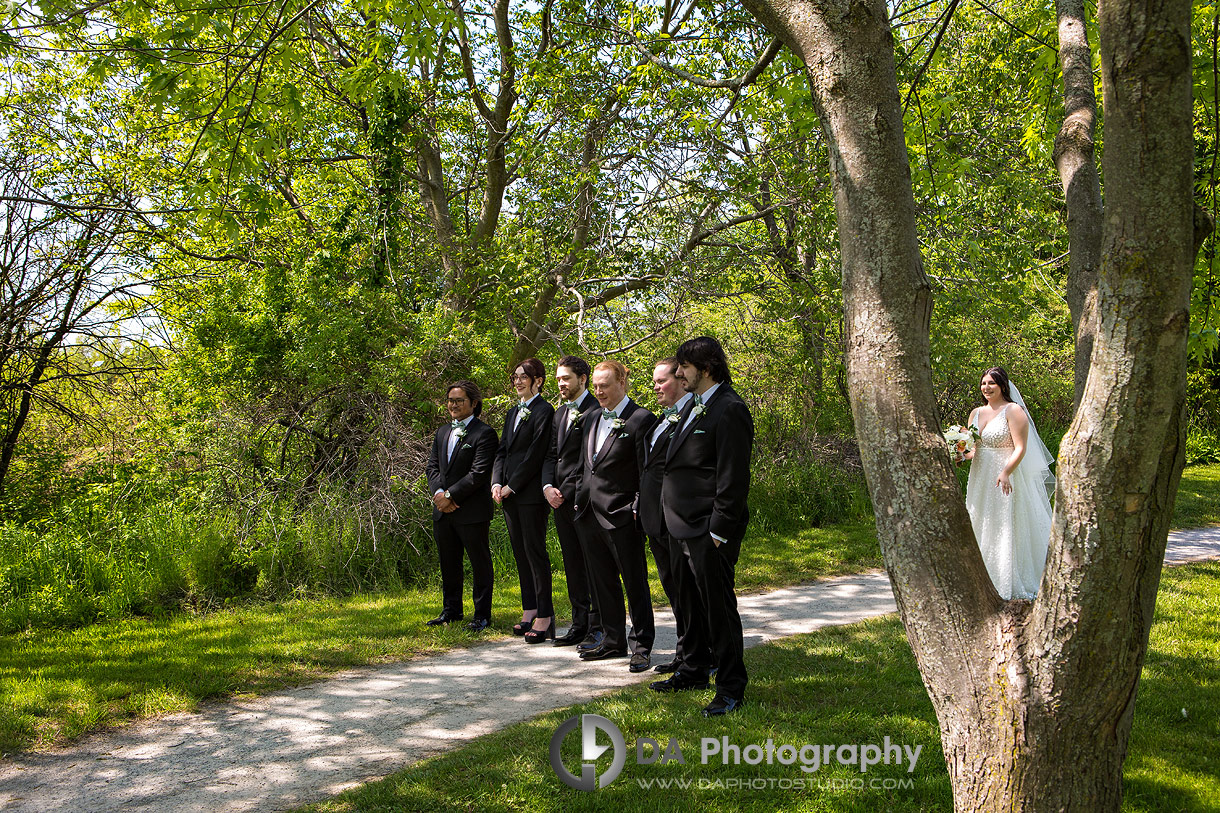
<point>609,489</point>
<point>561,471</point>
<point>707,481</point>
<point>677,580</point>
<point>459,476</point>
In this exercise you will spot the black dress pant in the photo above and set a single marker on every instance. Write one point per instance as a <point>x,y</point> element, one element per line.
<point>678,582</point>
<point>451,539</point>
<point>613,553</point>
<point>714,568</point>
<point>527,533</point>
<point>573,533</point>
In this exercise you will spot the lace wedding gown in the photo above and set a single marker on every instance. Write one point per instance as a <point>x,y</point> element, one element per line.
<point>1013,530</point>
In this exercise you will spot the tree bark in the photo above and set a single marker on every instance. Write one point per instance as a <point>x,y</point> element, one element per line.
<point>1034,699</point>
<point>1078,174</point>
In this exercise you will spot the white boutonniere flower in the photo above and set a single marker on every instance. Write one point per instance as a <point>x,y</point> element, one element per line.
<point>459,430</point>
<point>618,423</point>
<point>575,415</point>
<point>697,411</point>
<point>523,414</point>
<point>673,417</point>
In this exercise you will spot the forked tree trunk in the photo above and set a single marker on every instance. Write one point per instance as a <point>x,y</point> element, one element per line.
<point>1034,699</point>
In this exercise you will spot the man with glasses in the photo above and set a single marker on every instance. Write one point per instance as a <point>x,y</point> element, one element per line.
<point>459,476</point>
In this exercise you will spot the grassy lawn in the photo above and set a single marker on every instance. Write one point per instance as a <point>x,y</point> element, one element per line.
<point>853,684</point>
<point>1198,502</point>
<point>56,685</point>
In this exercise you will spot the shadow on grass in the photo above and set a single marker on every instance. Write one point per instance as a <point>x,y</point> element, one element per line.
<point>856,684</point>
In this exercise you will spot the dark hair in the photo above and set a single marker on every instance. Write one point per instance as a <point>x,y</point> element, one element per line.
<point>534,369</point>
<point>706,354</point>
<point>1001,380</point>
<point>578,366</point>
<point>472,392</point>
<point>668,361</point>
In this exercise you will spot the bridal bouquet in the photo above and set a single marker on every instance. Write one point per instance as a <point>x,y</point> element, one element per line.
<point>961,439</point>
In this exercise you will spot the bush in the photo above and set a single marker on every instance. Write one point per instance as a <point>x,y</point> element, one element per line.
<point>807,482</point>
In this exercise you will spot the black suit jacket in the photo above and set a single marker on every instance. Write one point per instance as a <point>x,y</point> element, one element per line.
<point>610,486</point>
<point>564,461</point>
<point>467,475</point>
<point>522,449</point>
<point>707,470</point>
<point>652,476</point>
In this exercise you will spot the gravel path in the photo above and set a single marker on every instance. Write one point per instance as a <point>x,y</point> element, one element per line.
<point>303,745</point>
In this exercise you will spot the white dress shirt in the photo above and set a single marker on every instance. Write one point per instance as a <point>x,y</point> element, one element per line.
<point>606,425</point>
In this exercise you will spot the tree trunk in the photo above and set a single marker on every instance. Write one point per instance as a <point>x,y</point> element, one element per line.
<point>1034,699</point>
<point>1078,175</point>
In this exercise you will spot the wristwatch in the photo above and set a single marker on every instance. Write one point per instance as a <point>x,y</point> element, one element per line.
<point>448,496</point>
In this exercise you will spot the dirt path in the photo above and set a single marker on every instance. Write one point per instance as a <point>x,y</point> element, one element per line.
<point>303,745</point>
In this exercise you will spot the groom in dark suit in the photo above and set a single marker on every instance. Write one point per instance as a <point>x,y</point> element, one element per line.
<point>608,495</point>
<point>561,472</point>
<point>459,477</point>
<point>707,481</point>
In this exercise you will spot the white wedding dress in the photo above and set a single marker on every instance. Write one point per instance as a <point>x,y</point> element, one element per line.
<point>1012,530</point>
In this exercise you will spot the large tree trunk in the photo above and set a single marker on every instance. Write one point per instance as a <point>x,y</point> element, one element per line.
<point>1034,699</point>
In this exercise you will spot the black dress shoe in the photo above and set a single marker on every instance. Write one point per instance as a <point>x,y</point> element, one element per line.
<point>678,683</point>
<point>479,624</point>
<point>639,662</point>
<point>443,618</point>
<point>592,641</point>
<point>667,667</point>
<point>722,704</point>
<point>571,637</point>
<point>602,653</point>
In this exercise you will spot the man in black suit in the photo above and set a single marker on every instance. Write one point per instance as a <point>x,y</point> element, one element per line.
<point>561,472</point>
<point>609,491</point>
<point>677,580</point>
<point>459,476</point>
<point>707,482</point>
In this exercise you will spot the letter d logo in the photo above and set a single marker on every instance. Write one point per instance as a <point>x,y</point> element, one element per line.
<point>589,751</point>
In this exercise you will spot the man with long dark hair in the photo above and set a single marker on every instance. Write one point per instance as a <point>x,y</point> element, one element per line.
<point>707,482</point>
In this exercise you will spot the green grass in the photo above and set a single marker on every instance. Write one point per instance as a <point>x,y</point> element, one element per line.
<point>56,685</point>
<point>1198,502</point>
<point>852,684</point>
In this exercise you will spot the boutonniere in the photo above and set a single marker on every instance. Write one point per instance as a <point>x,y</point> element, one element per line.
<point>523,414</point>
<point>575,416</point>
<point>697,411</point>
<point>673,418</point>
<point>618,423</point>
<point>459,430</point>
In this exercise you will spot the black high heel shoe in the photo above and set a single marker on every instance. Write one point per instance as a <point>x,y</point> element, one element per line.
<point>533,636</point>
<point>522,627</point>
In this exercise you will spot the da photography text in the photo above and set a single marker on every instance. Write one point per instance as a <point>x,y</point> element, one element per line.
<point>602,757</point>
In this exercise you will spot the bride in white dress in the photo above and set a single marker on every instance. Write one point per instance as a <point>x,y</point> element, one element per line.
<point>1008,493</point>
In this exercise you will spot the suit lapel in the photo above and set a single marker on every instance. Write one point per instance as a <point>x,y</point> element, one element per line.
<point>510,428</point>
<point>682,430</point>
<point>448,431</point>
